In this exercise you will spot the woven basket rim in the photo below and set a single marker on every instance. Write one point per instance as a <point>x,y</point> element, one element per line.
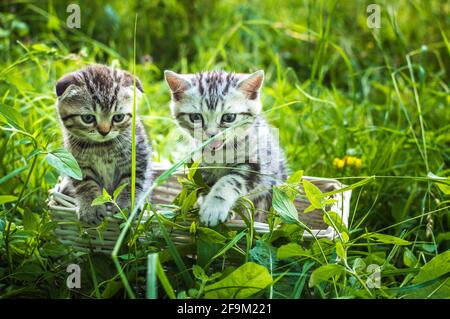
<point>63,208</point>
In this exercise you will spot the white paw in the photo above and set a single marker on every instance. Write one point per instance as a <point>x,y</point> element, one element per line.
<point>214,211</point>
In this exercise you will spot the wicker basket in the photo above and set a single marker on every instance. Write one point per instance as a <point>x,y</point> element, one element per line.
<point>70,232</point>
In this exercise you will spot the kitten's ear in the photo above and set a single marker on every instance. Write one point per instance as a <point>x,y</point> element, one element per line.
<point>251,84</point>
<point>64,82</point>
<point>177,84</point>
<point>129,81</point>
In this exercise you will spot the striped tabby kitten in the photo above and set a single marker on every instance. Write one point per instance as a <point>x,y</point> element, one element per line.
<point>94,106</point>
<point>244,160</point>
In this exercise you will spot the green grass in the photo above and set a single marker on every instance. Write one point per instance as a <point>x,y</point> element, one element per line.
<point>333,87</point>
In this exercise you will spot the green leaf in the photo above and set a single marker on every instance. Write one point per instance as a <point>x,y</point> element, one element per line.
<point>118,191</point>
<point>324,273</point>
<point>245,281</point>
<point>340,251</point>
<point>386,239</point>
<point>12,117</point>
<point>291,250</point>
<point>350,187</point>
<point>264,254</point>
<point>53,250</point>
<point>175,254</point>
<point>189,202</point>
<point>65,163</point>
<point>193,170</point>
<point>100,200</point>
<point>112,287</point>
<point>408,258</point>
<point>313,193</point>
<point>441,182</point>
<point>359,265</point>
<point>295,178</point>
<point>438,266</point>
<point>284,206</point>
<point>209,235</point>
<point>152,275</point>
<point>335,221</point>
<point>7,199</point>
<point>199,273</point>
<point>13,173</point>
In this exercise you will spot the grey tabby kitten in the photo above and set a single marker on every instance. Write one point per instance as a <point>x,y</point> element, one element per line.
<point>94,106</point>
<point>247,161</point>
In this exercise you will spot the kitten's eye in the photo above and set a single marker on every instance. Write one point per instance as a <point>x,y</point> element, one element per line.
<point>88,118</point>
<point>228,118</point>
<point>195,117</point>
<point>118,117</point>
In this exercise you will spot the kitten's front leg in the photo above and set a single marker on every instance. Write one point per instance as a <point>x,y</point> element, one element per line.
<point>219,201</point>
<point>86,191</point>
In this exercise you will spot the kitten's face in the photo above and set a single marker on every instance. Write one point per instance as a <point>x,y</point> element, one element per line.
<point>95,103</point>
<point>205,104</point>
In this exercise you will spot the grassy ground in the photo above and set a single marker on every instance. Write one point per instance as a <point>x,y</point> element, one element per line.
<point>334,88</point>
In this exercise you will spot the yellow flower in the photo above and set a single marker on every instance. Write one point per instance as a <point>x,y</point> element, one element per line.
<point>349,160</point>
<point>338,163</point>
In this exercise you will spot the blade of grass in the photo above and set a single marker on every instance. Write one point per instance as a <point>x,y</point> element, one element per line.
<point>174,253</point>
<point>152,274</point>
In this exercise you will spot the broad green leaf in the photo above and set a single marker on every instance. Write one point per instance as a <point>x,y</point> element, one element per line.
<point>335,221</point>
<point>210,235</point>
<point>284,206</point>
<point>193,170</point>
<point>438,266</point>
<point>7,199</point>
<point>111,289</point>
<point>359,265</point>
<point>189,202</point>
<point>295,178</point>
<point>340,251</point>
<point>65,163</point>
<point>264,254</point>
<point>245,281</point>
<point>100,200</point>
<point>199,273</point>
<point>313,193</point>
<point>386,239</point>
<point>53,250</point>
<point>291,250</point>
<point>118,191</point>
<point>324,273</point>
<point>408,258</point>
<point>443,183</point>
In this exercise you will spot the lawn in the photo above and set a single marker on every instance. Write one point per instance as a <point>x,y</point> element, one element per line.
<point>366,105</point>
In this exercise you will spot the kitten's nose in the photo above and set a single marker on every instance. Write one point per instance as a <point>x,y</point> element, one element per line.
<point>104,129</point>
<point>211,132</point>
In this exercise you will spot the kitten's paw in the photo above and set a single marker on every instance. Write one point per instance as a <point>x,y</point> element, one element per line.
<point>93,215</point>
<point>213,211</point>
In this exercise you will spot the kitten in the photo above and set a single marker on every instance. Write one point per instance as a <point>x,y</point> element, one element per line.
<point>248,161</point>
<point>94,107</point>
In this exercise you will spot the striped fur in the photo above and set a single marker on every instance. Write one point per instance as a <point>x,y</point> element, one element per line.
<point>102,148</point>
<point>248,160</point>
